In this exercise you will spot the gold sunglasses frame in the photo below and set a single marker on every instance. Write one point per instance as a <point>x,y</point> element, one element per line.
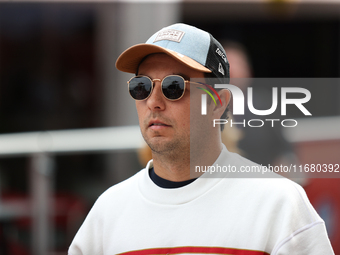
<point>160,80</point>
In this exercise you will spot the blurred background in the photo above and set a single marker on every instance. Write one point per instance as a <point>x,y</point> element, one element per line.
<point>62,102</point>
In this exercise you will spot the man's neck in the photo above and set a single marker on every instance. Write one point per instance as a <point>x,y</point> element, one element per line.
<point>178,168</point>
<point>172,168</point>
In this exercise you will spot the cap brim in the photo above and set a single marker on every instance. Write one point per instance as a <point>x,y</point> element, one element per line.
<point>129,60</point>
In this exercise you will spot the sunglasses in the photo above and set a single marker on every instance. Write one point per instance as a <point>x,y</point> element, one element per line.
<point>173,87</point>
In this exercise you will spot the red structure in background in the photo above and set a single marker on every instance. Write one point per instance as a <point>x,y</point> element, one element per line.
<point>324,193</point>
<point>15,230</point>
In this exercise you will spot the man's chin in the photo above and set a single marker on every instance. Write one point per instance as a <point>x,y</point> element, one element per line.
<point>161,144</point>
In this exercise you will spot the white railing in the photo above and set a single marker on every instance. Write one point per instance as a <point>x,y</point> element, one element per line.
<point>314,129</point>
<point>77,140</point>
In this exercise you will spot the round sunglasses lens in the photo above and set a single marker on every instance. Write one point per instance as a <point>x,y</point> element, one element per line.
<point>173,87</point>
<point>140,87</point>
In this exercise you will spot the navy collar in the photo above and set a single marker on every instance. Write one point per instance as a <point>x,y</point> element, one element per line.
<point>163,183</point>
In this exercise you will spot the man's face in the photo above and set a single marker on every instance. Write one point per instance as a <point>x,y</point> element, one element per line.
<point>165,124</point>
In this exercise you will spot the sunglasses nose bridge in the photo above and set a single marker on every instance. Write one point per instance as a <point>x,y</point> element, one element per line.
<point>156,80</point>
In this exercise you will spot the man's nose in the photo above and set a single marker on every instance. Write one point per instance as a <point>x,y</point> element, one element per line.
<point>156,101</point>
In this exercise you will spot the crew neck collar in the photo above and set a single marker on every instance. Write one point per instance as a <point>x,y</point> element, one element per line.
<point>163,183</point>
<point>184,194</point>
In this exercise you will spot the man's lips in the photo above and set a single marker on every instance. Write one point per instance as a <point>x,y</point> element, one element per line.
<point>157,125</point>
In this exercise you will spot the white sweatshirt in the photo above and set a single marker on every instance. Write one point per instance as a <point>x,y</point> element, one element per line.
<point>248,216</point>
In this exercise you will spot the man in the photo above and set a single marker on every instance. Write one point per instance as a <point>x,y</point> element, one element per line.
<point>163,209</point>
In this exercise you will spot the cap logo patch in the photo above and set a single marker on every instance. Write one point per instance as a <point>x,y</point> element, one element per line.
<point>220,68</point>
<point>221,54</point>
<point>169,34</point>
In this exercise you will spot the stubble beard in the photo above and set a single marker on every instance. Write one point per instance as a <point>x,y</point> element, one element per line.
<point>177,147</point>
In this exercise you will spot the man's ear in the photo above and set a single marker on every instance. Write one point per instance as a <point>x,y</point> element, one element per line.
<point>219,109</point>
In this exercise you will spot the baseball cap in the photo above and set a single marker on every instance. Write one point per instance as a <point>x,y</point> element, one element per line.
<point>192,46</point>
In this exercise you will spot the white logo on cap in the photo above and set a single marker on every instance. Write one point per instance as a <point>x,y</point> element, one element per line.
<point>170,34</point>
<point>220,68</point>
<point>221,54</point>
